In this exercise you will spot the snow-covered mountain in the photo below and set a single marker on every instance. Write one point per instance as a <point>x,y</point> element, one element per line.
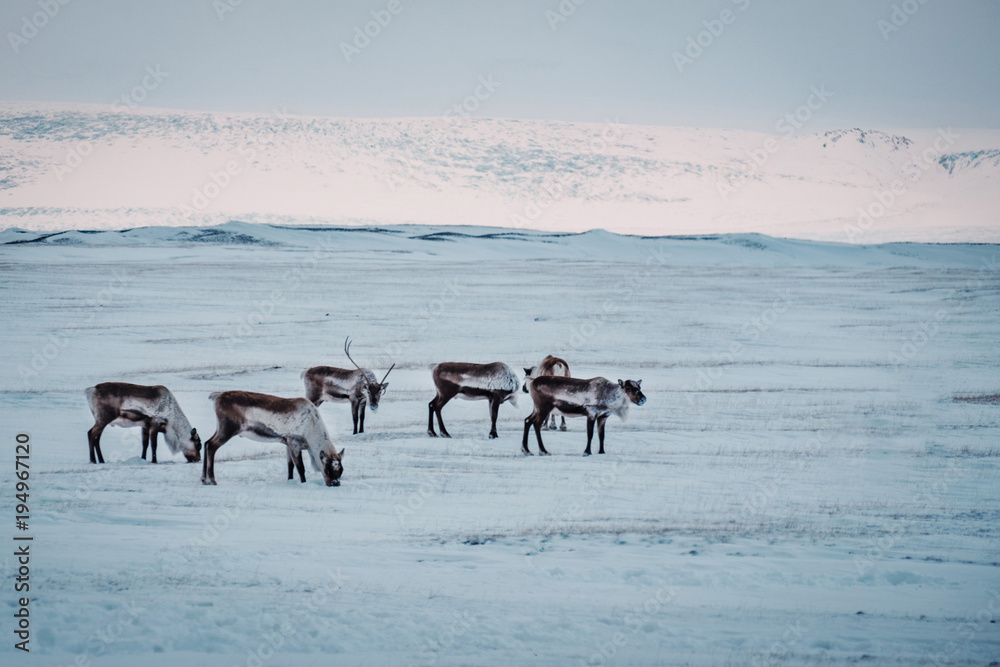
<point>87,167</point>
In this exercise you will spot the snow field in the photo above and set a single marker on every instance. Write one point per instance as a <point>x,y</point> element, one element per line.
<point>791,491</point>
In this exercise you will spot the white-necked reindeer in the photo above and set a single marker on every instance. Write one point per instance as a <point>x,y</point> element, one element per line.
<point>358,386</point>
<point>596,398</point>
<point>153,408</point>
<point>494,382</point>
<point>550,366</point>
<point>292,421</point>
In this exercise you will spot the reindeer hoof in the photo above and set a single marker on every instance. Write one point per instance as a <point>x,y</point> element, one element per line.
<point>586,453</point>
<point>493,436</point>
<point>526,452</point>
<point>563,428</point>
<point>432,434</point>
<point>445,435</point>
<point>544,453</point>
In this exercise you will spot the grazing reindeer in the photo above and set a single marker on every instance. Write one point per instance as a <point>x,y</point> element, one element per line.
<point>358,386</point>
<point>153,408</point>
<point>494,382</point>
<point>293,421</point>
<point>597,398</point>
<point>550,366</point>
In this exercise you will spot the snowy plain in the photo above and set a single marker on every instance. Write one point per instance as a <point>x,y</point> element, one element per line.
<point>813,479</point>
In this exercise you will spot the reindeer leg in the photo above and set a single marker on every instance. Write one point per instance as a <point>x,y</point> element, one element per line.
<point>152,440</point>
<point>354,416</point>
<point>529,420</point>
<point>208,465</point>
<point>314,394</point>
<point>494,410</point>
<point>552,423</point>
<point>600,432</point>
<point>540,420</point>
<point>301,467</point>
<point>562,427</point>
<point>94,441</point>
<point>361,418</point>
<point>225,432</point>
<point>145,439</point>
<point>294,449</point>
<point>590,434</point>
<point>430,418</point>
<point>441,404</point>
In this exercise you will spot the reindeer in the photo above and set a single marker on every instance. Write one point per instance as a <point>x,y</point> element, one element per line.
<point>550,366</point>
<point>153,408</point>
<point>495,382</point>
<point>597,398</point>
<point>293,421</point>
<point>358,386</point>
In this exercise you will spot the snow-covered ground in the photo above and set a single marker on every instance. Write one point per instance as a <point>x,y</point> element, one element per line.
<point>802,485</point>
<point>90,167</point>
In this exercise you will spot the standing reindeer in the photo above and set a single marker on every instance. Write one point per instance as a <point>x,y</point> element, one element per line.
<point>153,408</point>
<point>597,398</point>
<point>550,366</point>
<point>494,382</point>
<point>358,386</point>
<point>293,421</point>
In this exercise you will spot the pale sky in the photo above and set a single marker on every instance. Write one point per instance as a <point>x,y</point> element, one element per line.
<point>607,59</point>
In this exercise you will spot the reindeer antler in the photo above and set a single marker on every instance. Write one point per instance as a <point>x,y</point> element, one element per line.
<point>347,351</point>
<point>387,373</point>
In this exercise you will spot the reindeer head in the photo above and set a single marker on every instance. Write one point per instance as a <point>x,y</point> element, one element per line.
<point>529,373</point>
<point>633,390</point>
<point>192,447</point>
<point>332,467</point>
<point>373,389</point>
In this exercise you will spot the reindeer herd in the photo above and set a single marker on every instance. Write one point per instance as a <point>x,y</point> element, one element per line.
<point>297,424</point>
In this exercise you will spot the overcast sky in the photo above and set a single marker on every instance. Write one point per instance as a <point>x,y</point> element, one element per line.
<point>607,59</point>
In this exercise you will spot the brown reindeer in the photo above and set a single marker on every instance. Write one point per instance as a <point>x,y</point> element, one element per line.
<point>359,386</point>
<point>596,398</point>
<point>292,421</point>
<point>550,366</point>
<point>493,382</point>
<point>153,408</point>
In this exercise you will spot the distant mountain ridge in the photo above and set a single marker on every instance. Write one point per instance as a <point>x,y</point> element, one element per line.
<point>477,245</point>
<point>72,167</point>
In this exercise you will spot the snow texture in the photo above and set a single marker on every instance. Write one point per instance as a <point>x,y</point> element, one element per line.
<point>813,479</point>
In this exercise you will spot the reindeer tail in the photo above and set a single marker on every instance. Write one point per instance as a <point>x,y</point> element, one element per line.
<point>89,393</point>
